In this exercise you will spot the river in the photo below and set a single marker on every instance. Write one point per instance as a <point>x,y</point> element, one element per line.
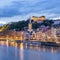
<point>20,51</point>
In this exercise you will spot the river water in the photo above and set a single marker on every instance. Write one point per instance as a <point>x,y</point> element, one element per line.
<point>20,51</point>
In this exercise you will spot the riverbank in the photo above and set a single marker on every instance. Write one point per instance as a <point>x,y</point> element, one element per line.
<point>31,42</point>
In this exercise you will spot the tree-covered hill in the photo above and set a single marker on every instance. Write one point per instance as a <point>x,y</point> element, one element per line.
<point>23,25</point>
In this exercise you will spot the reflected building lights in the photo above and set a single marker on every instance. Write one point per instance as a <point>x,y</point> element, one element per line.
<point>26,45</point>
<point>7,42</point>
<point>2,42</point>
<point>16,51</point>
<point>16,45</point>
<point>52,50</point>
<point>7,47</point>
<point>21,52</point>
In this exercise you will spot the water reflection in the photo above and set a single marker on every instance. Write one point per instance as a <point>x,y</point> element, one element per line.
<point>16,53</point>
<point>7,43</point>
<point>21,51</point>
<point>23,46</point>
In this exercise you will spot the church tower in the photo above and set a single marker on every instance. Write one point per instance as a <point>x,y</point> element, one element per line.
<point>30,25</point>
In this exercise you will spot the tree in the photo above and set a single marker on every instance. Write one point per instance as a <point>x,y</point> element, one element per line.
<point>48,22</point>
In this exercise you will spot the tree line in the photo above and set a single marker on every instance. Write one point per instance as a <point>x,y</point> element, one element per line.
<point>23,25</point>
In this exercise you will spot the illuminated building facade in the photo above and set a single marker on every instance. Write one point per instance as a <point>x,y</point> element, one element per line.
<point>41,18</point>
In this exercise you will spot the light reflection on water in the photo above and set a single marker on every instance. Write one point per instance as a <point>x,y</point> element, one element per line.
<point>20,51</point>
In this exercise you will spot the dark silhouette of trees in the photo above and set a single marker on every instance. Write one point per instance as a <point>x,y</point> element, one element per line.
<point>18,25</point>
<point>48,23</point>
<point>21,25</point>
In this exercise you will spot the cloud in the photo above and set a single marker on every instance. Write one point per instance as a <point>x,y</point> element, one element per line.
<point>2,22</point>
<point>25,17</point>
<point>14,10</point>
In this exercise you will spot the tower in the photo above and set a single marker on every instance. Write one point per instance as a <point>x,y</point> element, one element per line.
<point>30,28</point>
<point>30,25</point>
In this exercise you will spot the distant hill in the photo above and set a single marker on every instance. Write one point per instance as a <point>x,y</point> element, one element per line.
<point>23,25</point>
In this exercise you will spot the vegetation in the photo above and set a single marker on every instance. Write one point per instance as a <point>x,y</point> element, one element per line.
<point>18,25</point>
<point>48,23</point>
<point>23,25</point>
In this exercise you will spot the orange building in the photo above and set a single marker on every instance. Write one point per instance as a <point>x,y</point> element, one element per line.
<point>42,18</point>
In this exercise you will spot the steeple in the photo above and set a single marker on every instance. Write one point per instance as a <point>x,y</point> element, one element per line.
<point>29,19</point>
<point>30,25</point>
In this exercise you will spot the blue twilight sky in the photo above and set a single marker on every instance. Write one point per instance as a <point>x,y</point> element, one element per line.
<point>15,10</point>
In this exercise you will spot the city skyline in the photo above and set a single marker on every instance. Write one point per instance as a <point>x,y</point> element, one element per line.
<point>16,10</point>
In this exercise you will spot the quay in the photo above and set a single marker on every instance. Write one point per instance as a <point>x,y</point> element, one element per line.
<point>42,43</point>
<point>33,42</point>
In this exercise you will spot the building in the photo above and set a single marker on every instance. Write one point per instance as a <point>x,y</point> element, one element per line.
<point>41,18</point>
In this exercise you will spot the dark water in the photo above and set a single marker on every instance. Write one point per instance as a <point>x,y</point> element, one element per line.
<point>14,51</point>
